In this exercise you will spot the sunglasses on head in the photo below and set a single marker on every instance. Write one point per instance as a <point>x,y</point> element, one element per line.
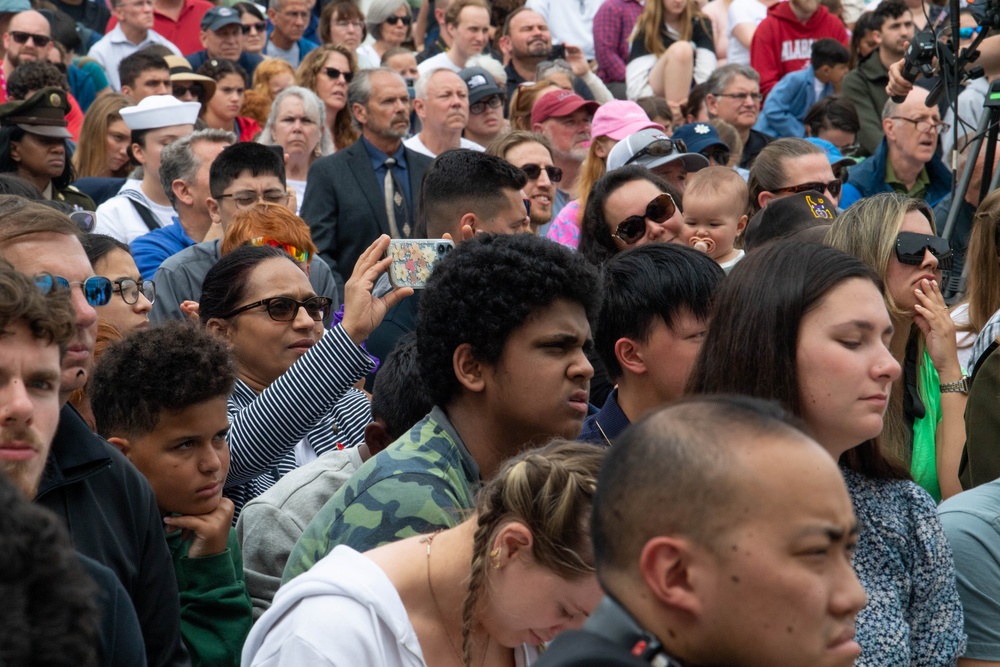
<point>260,26</point>
<point>41,41</point>
<point>285,308</point>
<point>533,171</point>
<point>288,248</point>
<point>910,249</point>
<point>833,186</point>
<point>393,20</point>
<point>633,228</point>
<point>659,148</point>
<point>195,89</point>
<point>335,73</point>
<point>96,289</point>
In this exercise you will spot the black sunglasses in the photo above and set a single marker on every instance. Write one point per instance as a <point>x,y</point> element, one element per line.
<point>41,41</point>
<point>195,89</point>
<point>910,249</point>
<point>96,289</point>
<point>833,186</point>
<point>335,73</point>
<point>260,26</point>
<point>533,171</point>
<point>633,228</point>
<point>659,148</point>
<point>393,20</point>
<point>130,290</point>
<point>285,308</point>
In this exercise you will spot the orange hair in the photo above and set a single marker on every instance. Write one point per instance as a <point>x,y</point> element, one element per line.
<point>271,220</point>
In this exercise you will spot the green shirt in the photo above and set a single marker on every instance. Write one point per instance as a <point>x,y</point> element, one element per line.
<point>216,613</point>
<point>423,482</point>
<point>923,464</point>
<point>920,186</point>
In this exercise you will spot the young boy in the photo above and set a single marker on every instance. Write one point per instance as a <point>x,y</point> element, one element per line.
<point>714,214</point>
<point>160,397</point>
<point>788,102</point>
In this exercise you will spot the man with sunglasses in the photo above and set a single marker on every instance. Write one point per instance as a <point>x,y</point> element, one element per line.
<point>108,507</point>
<point>27,38</point>
<point>905,160</point>
<point>532,154</point>
<point>221,28</point>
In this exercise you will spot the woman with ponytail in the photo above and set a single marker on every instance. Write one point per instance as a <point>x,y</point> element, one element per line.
<point>487,592</point>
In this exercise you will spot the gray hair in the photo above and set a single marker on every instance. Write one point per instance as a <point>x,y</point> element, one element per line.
<point>360,89</point>
<point>314,108</point>
<point>379,11</point>
<point>178,159</point>
<point>420,86</point>
<point>721,77</point>
<point>491,65</point>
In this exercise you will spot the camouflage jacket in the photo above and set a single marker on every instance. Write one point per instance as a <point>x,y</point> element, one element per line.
<point>421,483</point>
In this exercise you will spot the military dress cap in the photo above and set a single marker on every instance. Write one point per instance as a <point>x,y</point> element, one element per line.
<point>43,113</point>
<point>158,111</point>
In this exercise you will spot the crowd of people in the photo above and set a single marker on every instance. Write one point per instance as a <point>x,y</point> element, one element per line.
<point>694,378</point>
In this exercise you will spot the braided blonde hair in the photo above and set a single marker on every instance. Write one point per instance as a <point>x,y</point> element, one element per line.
<point>550,490</point>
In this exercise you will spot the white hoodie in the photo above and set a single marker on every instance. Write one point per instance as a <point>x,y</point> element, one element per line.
<point>343,612</point>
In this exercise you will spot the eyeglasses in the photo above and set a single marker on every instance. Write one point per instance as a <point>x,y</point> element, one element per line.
<point>96,289</point>
<point>393,20</point>
<point>131,289</point>
<point>41,41</point>
<point>288,248</point>
<point>926,125</point>
<point>248,198</point>
<point>718,155</point>
<point>659,148</point>
<point>533,171</point>
<point>195,90</point>
<point>285,308</point>
<point>335,74</point>
<point>756,97</point>
<point>349,24</point>
<point>633,228</point>
<point>260,26</point>
<point>833,187</point>
<point>493,102</point>
<point>910,249</point>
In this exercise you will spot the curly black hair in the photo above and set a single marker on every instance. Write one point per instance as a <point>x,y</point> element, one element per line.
<point>32,76</point>
<point>169,368</point>
<point>49,612</point>
<point>486,289</point>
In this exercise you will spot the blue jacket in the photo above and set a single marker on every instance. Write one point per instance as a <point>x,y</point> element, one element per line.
<point>787,103</point>
<point>305,44</point>
<point>868,178</point>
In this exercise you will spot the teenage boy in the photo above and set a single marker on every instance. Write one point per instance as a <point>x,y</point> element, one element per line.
<point>160,397</point>
<point>785,108</point>
<point>654,313</point>
<point>506,370</point>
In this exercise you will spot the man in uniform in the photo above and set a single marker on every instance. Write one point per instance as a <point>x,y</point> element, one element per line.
<point>43,117</point>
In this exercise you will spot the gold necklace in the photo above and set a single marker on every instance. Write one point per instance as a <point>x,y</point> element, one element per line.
<point>458,654</point>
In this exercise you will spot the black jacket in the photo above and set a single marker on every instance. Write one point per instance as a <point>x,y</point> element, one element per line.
<point>112,517</point>
<point>118,629</point>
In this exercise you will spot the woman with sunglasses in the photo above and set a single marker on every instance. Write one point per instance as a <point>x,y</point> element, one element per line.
<point>292,371</point>
<point>222,111</point>
<point>389,25</point>
<point>270,78</point>
<point>628,207</point>
<point>254,27</point>
<point>925,425</point>
<point>612,122</point>
<point>789,166</point>
<point>298,124</point>
<point>806,325</point>
<point>104,140</point>
<point>327,70</point>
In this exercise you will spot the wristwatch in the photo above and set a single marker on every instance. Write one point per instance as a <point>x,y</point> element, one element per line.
<point>961,386</point>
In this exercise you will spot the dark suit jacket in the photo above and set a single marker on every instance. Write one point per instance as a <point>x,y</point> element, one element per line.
<point>344,207</point>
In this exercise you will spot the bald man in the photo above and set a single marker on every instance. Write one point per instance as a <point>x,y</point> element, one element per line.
<point>722,536</point>
<point>27,38</point>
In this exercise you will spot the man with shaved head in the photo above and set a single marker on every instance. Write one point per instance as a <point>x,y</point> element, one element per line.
<point>722,536</point>
<point>27,38</point>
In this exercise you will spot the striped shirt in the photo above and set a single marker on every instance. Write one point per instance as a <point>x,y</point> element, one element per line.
<point>302,403</point>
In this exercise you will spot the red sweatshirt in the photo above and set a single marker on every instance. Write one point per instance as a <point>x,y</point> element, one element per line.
<point>783,44</point>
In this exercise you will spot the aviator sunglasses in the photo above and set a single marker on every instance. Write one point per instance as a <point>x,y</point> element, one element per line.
<point>633,228</point>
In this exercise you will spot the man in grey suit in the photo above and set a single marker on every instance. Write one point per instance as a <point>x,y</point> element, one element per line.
<point>345,202</point>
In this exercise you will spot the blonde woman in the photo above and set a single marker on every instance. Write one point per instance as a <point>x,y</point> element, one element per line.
<point>672,49</point>
<point>104,139</point>
<point>327,71</point>
<point>487,592</point>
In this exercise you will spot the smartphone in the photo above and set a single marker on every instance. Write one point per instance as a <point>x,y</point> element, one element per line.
<point>558,51</point>
<point>413,260</point>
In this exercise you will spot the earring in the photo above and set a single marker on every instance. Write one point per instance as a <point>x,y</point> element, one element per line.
<point>495,558</point>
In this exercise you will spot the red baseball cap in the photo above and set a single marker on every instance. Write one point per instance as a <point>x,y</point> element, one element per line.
<point>560,103</point>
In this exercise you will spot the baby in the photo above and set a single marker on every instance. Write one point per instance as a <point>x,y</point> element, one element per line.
<point>715,203</point>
